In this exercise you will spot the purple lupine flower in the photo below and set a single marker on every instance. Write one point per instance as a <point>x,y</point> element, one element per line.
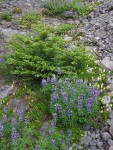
<point>54,116</point>
<point>44,82</point>
<point>55,89</point>
<point>54,96</point>
<point>72,103</point>
<point>1,60</point>
<point>72,91</point>
<point>20,115</point>
<point>82,96</point>
<point>36,147</point>
<point>59,82</point>
<point>44,134</point>
<point>52,142</point>
<point>63,113</point>
<point>69,133</point>
<point>67,81</point>
<point>59,71</point>
<point>94,93</point>
<point>14,134</point>
<point>88,107</point>
<point>59,108</point>
<point>1,129</point>
<point>61,131</point>
<point>60,141</point>
<point>78,82</point>
<point>4,118</point>
<point>52,124</point>
<point>65,98</point>
<point>56,107</point>
<point>50,132</point>
<point>13,121</point>
<point>69,113</point>
<point>53,80</point>
<point>27,120</point>
<point>79,104</point>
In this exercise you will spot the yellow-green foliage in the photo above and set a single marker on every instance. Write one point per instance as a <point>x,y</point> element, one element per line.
<point>29,18</point>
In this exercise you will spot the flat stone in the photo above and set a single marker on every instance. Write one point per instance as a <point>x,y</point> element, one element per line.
<point>93,143</point>
<point>8,32</point>
<point>99,144</point>
<point>111,148</point>
<point>111,115</point>
<point>93,148</point>
<point>86,140</point>
<point>107,63</point>
<point>106,136</point>
<point>6,91</point>
<point>80,147</point>
<point>111,129</point>
<point>110,142</point>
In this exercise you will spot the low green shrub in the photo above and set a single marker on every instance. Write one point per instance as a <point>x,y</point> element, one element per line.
<point>73,101</point>
<point>17,10</point>
<point>29,18</point>
<point>63,28</point>
<point>57,7</point>
<point>36,56</point>
<point>5,16</point>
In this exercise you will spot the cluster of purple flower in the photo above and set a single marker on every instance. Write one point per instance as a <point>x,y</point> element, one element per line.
<point>68,96</point>
<point>13,121</point>
<point>14,134</point>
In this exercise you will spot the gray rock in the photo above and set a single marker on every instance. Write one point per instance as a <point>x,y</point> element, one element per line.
<point>107,63</point>
<point>22,107</point>
<point>68,38</point>
<point>68,14</point>
<point>80,147</point>
<point>86,140</point>
<point>93,135</point>
<point>70,148</point>
<point>111,129</point>
<point>99,144</point>
<point>71,47</point>
<point>93,148</point>
<point>105,136</point>
<point>110,26</point>
<point>111,115</point>
<point>7,91</point>
<point>111,148</point>
<point>14,102</point>
<point>8,32</point>
<point>86,127</point>
<point>106,99</point>
<point>93,143</point>
<point>110,142</point>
